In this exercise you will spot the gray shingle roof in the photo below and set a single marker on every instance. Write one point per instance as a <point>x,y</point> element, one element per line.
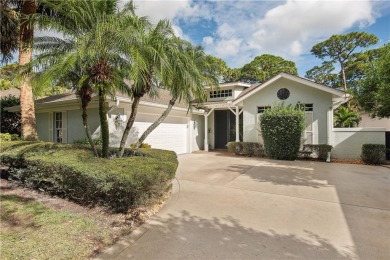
<point>163,98</point>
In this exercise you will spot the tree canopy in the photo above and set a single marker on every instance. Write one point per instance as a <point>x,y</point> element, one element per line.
<point>265,67</point>
<point>341,47</point>
<point>374,92</point>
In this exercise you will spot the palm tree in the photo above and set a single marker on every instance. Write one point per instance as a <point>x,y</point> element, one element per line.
<point>85,24</point>
<point>9,28</point>
<point>190,70</point>
<point>343,117</point>
<point>17,33</point>
<point>149,62</point>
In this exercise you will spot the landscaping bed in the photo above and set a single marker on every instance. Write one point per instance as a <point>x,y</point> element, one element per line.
<point>72,172</point>
<point>35,225</point>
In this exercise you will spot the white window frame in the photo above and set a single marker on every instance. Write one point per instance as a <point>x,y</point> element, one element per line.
<point>221,93</point>
<point>309,129</point>
<point>53,129</point>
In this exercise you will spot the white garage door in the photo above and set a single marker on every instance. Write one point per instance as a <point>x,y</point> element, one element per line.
<point>166,136</point>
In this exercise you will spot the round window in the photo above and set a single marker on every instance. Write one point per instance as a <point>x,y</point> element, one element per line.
<point>283,94</point>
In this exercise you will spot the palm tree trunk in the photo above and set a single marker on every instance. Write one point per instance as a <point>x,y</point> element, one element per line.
<point>87,131</point>
<point>26,36</point>
<point>129,125</point>
<point>134,109</point>
<point>104,130</point>
<point>156,123</point>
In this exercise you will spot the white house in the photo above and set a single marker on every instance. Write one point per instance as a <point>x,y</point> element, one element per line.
<point>231,113</point>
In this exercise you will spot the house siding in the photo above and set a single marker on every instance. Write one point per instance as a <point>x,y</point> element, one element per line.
<point>197,139</point>
<point>321,101</point>
<point>348,142</point>
<point>76,129</point>
<point>43,126</point>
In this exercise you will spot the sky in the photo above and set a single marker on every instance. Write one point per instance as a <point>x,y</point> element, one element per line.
<point>238,31</point>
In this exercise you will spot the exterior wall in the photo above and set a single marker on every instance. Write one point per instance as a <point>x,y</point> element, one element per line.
<point>172,134</point>
<point>367,121</point>
<point>76,129</point>
<point>237,91</point>
<point>197,128</point>
<point>43,126</point>
<point>347,142</point>
<point>321,101</point>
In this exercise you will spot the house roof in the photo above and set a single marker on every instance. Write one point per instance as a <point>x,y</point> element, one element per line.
<point>257,87</point>
<point>11,91</point>
<point>231,84</point>
<point>162,98</point>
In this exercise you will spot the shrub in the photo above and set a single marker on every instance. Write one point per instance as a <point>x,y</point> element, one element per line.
<point>74,173</point>
<point>373,153</point>
<point>245,148</point>
<point>10,122</point>
<point>143,145</point>
<point>321,150</point>
<point>4,137</point>
<point>85,141</point>
<point>282,129</point>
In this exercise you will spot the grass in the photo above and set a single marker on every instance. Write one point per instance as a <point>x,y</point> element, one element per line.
<point>30,230</point>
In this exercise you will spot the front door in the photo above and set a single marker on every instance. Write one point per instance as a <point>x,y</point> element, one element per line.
<point>225,128</point>
<point>221,126</point>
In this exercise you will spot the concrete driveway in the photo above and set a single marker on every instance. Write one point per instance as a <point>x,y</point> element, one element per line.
<point>226,207</point>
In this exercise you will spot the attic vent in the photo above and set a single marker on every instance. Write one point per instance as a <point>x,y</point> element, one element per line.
<point>283,93</point>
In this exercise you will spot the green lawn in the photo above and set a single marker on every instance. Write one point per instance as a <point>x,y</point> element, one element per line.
<point>29,230</point>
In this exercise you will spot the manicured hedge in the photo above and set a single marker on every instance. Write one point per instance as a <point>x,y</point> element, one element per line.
<point>73,172</point>
<point>320,150</point>
<point>245,148</point>
<point>282,128</point>
<point>373,153</point>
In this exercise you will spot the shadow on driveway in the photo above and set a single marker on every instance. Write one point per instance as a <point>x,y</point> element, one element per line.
<point>226,238</point>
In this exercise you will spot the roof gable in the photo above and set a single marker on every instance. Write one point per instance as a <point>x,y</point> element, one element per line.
<point>256,88</point>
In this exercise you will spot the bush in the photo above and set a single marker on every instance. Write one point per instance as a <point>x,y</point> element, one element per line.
<point>143,145</point>
<point>282,129</point>
<point>321,150</point>
<point>74,173</point>
<point>10,122</point>
<point>373,153</point>
<point>4,137</point>
<point>85,141</point>
<point>245,148</point>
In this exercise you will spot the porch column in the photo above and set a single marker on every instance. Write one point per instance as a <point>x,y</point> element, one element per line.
<point>206,129</point>
<point>237,124</point>
<point>329,128</point>
<point>206,132</point>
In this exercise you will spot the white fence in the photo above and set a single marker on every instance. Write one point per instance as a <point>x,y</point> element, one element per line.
<point>347,142</point>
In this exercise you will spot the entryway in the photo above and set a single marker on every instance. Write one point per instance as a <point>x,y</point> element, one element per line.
<point>225,128</point>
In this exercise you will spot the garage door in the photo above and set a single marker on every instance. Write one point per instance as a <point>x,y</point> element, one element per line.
<point>168,136</point>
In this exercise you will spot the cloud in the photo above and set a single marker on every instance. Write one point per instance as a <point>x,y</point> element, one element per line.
<point>238,31</point>
<point>291,28</point>
<point>208,40</point>
<point>160,9</point>
<point>228,47</point>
